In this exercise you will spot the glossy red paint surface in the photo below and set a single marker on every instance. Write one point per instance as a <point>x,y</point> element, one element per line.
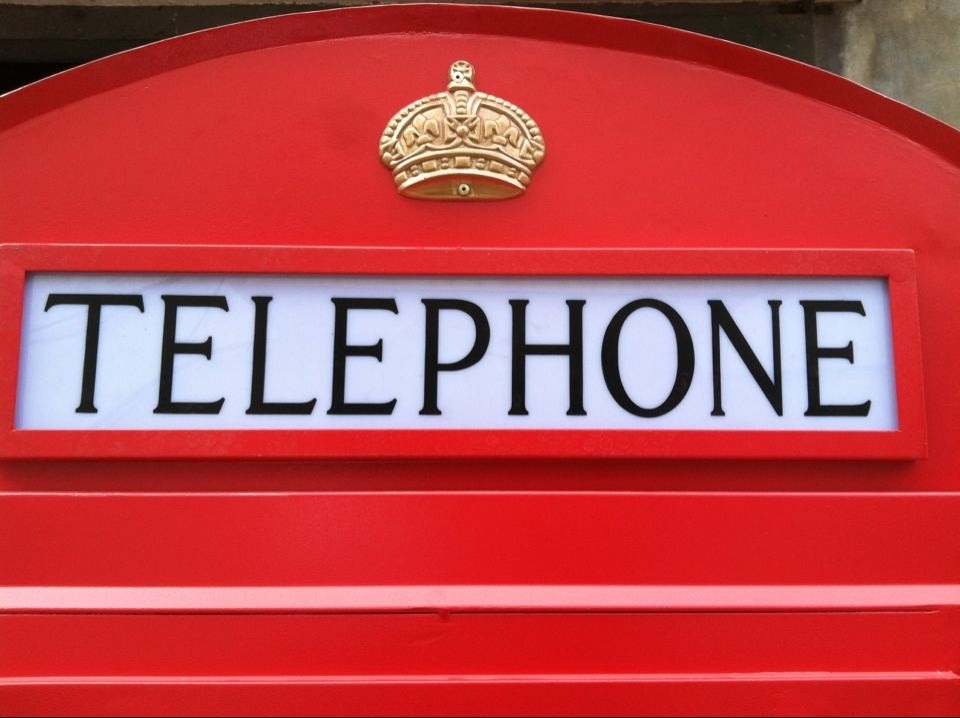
<point>196,575</point>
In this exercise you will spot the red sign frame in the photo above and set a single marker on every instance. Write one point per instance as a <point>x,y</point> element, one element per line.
<point>897,266</point>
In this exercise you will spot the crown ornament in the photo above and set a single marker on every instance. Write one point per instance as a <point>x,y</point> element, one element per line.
<point>461,144</point>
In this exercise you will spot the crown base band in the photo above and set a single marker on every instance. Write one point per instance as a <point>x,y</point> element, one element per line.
<point>463,185</point>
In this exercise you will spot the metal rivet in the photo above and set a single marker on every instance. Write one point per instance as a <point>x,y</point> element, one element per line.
<point>463,190</point>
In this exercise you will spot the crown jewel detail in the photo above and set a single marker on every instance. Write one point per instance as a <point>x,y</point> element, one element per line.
<point>461,144</point>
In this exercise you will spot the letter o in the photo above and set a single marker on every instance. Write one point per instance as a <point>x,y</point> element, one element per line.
<point>610,358</point>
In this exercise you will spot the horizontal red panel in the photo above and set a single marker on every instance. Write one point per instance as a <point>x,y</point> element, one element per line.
<point>469,538</point>
<point>452,643</point>
<point>897,693</point>
<point>347,663</point>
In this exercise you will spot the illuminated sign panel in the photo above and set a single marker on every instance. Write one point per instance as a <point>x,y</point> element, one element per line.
<point>452,352</point>
<point>106,351</point>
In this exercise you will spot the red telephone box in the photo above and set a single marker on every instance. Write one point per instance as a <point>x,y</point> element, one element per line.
<point>451,359</point>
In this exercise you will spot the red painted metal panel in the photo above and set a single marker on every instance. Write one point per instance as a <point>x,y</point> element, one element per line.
<point>472,537</point>
<point>498,575</point>
<point>814,694</point>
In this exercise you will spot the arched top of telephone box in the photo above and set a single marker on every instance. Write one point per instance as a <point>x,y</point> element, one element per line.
<point>286,535</point>
<point>268,132</point>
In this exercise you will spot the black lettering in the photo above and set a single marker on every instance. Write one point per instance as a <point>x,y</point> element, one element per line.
<point>771,387</point>
<point>258,378</point>
<point>815,353</point>
<point>171,347</point>
<point>431,356</point>
<point>521,350</point>
<point>610,358</point>
<point>342,350</point>
<point>95,304</point>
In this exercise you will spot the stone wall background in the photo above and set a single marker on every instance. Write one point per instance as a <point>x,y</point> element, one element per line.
<point>906,49</point>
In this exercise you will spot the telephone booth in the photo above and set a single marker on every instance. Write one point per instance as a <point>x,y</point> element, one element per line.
<point>457,360</point>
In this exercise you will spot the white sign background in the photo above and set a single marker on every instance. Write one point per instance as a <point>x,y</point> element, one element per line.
<point>300,352</point>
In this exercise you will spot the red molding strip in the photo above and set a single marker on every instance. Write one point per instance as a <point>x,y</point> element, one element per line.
<point>475,598</point>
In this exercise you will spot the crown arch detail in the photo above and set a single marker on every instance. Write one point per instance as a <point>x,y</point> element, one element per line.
<point>462,144</point>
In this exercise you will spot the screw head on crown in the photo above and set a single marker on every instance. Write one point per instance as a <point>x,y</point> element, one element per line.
<point>461,144</point>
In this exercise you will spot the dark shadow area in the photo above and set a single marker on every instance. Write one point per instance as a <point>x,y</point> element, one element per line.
<point>37,41</point>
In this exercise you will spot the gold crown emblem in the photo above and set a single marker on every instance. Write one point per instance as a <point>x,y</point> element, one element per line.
<point>461,144</point>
